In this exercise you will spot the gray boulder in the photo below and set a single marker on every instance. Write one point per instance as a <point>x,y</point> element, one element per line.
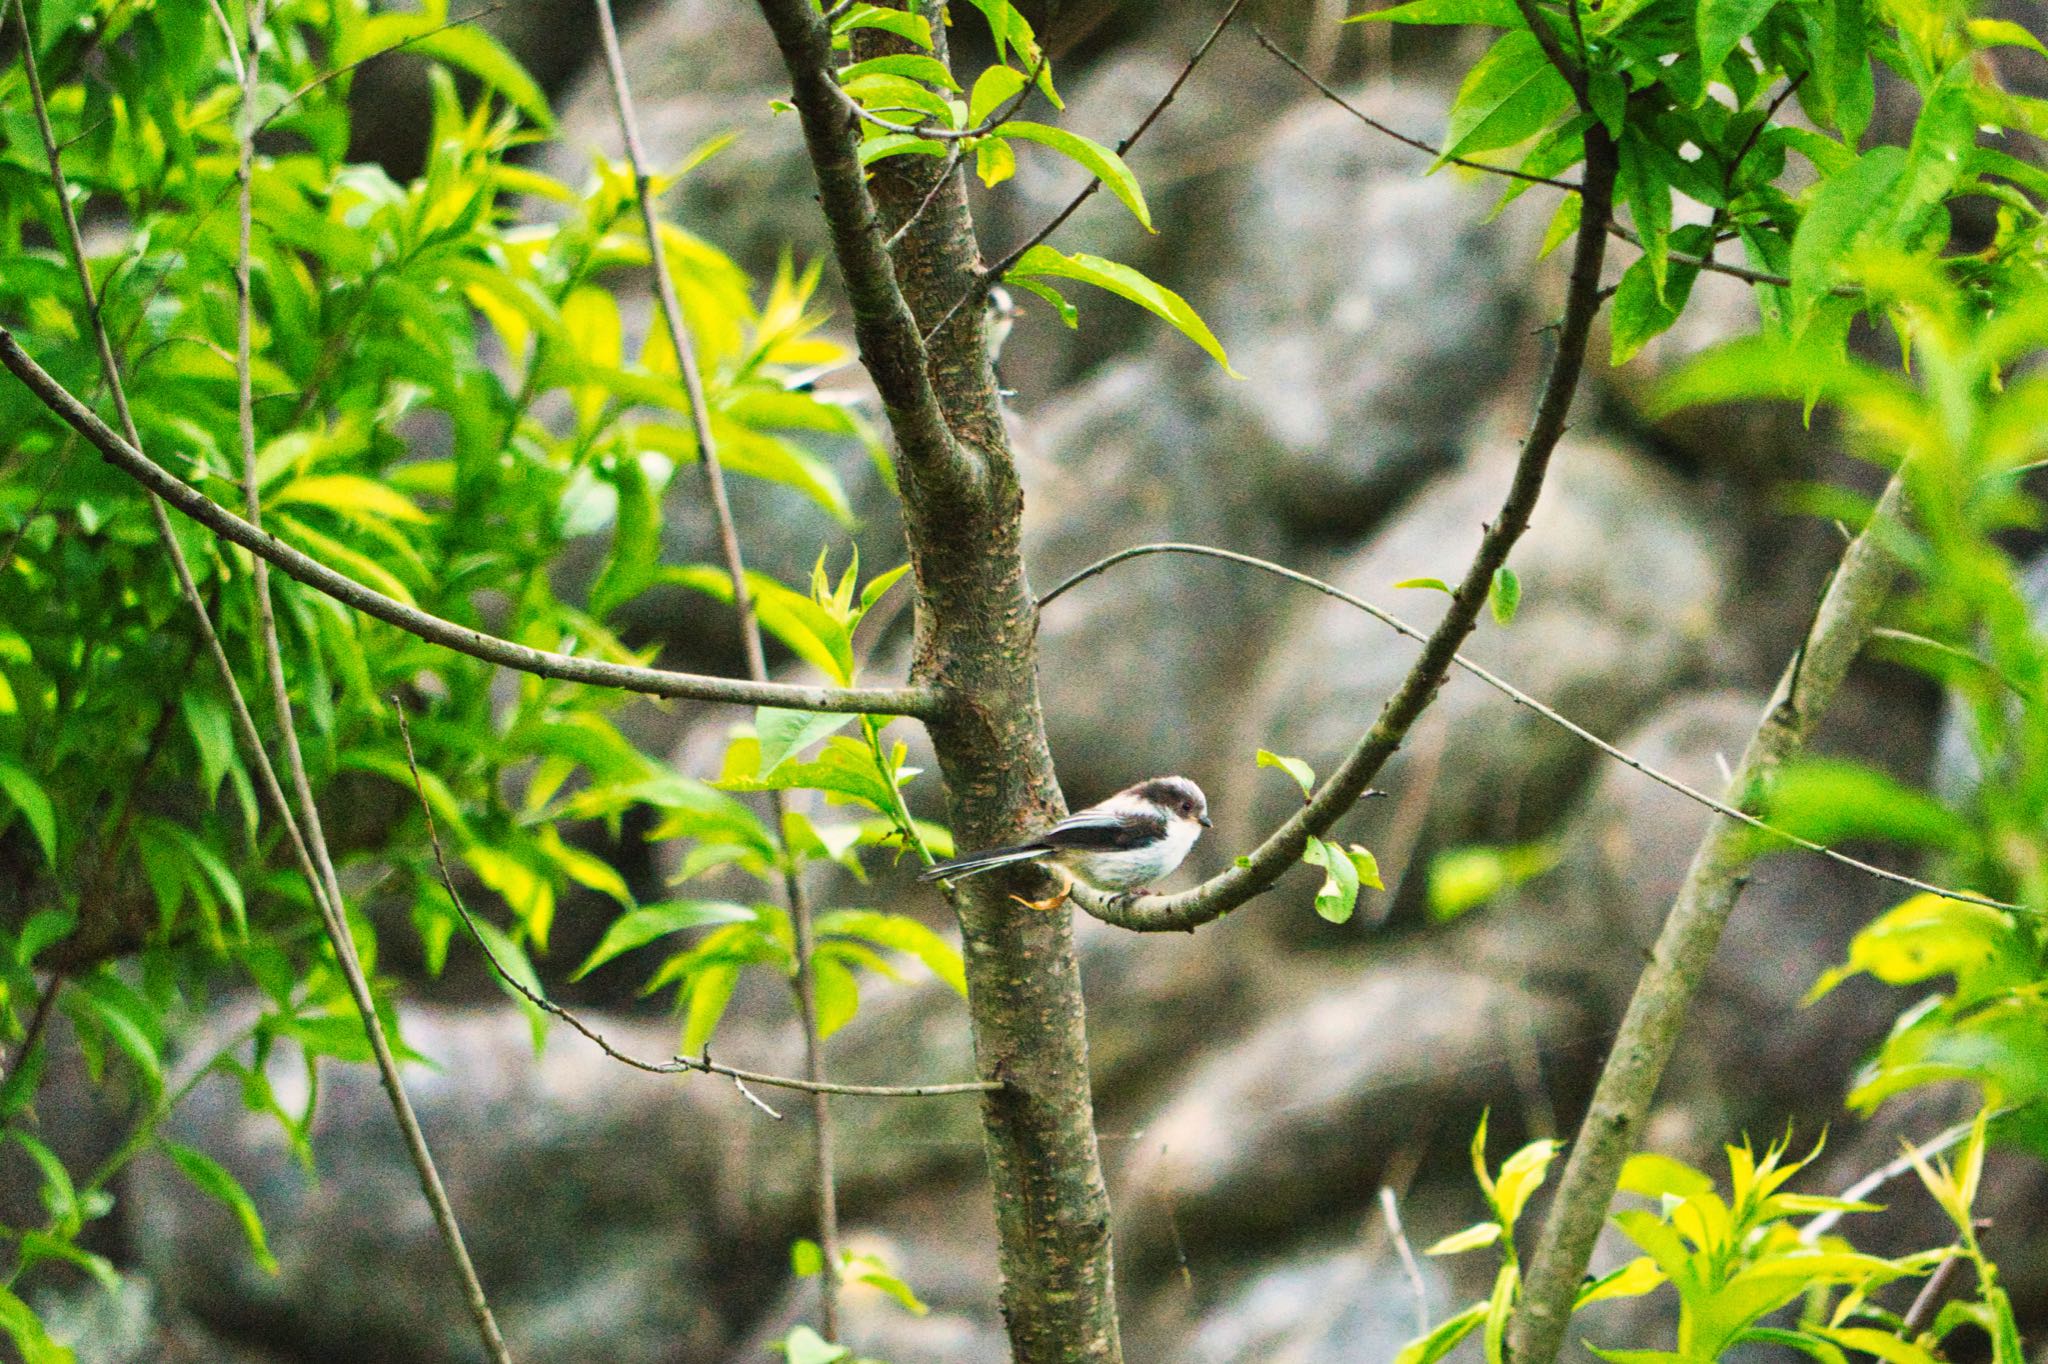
<point>1621,581</point>
<point>1369,308</point>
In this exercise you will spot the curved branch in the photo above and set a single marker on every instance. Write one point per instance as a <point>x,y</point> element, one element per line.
<point>912,701</point>
<point>1643,1045</point>
<point>1555,717</point>
<point>677,1065</point>
<point>1225,892</point>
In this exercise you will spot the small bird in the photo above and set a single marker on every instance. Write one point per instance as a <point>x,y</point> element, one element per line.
<point>1121,845</point>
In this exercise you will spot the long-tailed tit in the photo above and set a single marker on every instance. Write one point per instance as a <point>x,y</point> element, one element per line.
<point>1122,845</point>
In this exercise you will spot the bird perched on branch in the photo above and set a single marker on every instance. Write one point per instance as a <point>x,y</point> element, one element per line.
<point>1121,845</point>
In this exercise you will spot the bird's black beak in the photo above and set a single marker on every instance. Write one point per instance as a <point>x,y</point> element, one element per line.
<point>1205,821</point>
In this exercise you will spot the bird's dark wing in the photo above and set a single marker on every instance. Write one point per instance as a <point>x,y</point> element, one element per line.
<point>1099,831</point>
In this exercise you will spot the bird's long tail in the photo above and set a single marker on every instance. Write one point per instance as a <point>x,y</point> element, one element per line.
<point>982,861</point>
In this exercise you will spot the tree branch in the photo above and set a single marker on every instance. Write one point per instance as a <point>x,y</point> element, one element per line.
<point>886,332</point>
<point>1649,1030</point>
<point>804,983</point>
<point>993,275</point>
<point>1509,172</point>
<point>325,892</point>
<point>1522,698</point>
<point>1225,892</point>
<point>125,456</point>
<point>675,1065</point>
<point>976,643</point>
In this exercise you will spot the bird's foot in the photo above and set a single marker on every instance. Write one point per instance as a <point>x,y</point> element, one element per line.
<point>1056,899</point>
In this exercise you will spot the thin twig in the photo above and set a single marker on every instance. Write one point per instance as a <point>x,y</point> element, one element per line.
<point>993,275</point>
<point>314,84</point>
<point>677,1065</point>
<point>1323,88</point>
<point>1522,698</point>
<point>1390,1209</point>
<point>1509,172</point>
<point>1893,1169</point>
<point>37,1022</point>
<point>1932,1293</point>
<point>804,983</point>
<point>332,911</point>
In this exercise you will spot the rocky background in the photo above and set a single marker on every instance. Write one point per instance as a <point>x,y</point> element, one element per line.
<point>1259,1081</point>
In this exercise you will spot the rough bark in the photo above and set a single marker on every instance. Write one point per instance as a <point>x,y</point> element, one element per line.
<point>975,648</point>
<point>1665,991</point>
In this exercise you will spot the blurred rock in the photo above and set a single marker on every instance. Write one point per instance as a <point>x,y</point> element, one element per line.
<point>1134,659</point>
<point>589,1194</point>
<point>1370,310</point>
<point>1752,1050</point>
<point>1322,1306</point>
<point>942,1246</point>
<point>1293,1121</point>
<point>1621,580</point>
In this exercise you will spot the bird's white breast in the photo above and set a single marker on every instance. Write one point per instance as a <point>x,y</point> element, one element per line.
<point>1133,867</point>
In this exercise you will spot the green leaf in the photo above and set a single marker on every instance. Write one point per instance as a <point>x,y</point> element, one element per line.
<point>805,1346</point>
<point>875,149</point>
<point>211,1178</point>
<point>786,733</point>
<point>27,796</point>
<point>910,65</point>
<point>1122,280</point>
<point>638,927</point>
<point>893,94</point>
<point>1841,93</point>
<point>1654,1176</point>
<point>1338,897</point>
<point>1723,24</point>
<point>899,22</point>
<point>25,1329</point>
<point>1444,1339</point>
<point>1462,879</point>
<point>706,993</point>
<point>462,45</point>
<point>1104,164</point>
<point>1304,775</point>
<point>1632,1280</point>
<point>806,1259</point>
<point>1829,800</point>
<point>1497,1310</point>
<point>994,162</point>
<point>1471,1238</point>
<point>2003,33</point>
<point>843,769</point>
<point>1497,13</point>
<point>1520,1176</point>
<point>213,736</point>
<point>991,89</point>
<point>104,1001</point>
<point>1511,94</point>
<point>836,992</point>
<point>510,957</point>
<point>1068,313</point>
<point>1434,584</point>
<point>1366,865</point>
<point>899,933</point>
<point>1929,936</point>
<point>1505,595</point>
<point>1640,313</point>
<point>1882,1345</point>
